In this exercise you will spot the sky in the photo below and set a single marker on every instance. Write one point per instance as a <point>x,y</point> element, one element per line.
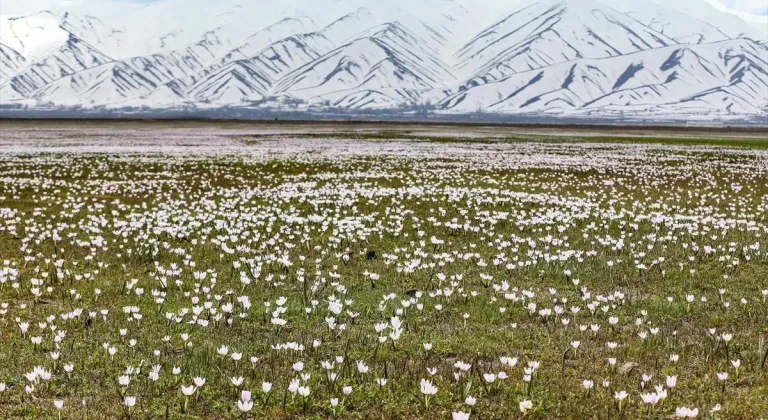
<point>14,7</point>
<point>756,7</point>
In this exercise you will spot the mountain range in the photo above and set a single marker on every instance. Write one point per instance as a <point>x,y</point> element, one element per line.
<point>551,57</point>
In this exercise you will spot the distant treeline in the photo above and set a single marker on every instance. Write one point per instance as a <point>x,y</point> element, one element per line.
<point>406,114</point>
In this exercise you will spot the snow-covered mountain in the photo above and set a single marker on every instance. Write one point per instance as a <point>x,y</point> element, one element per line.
<point>554,31</point>
<point>558,57</point>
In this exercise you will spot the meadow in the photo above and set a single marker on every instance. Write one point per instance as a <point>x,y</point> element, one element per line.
<point>225,273</point>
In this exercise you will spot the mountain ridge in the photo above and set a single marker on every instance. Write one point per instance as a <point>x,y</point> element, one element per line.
<point>557,57</point>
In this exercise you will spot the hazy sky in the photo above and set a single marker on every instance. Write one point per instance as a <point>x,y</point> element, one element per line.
<point>756,7</point>
<point>759,7</point>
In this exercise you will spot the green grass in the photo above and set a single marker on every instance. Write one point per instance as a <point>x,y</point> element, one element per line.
<point>651,138</point>
<point>120,217</point>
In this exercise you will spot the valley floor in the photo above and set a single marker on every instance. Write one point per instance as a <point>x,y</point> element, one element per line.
<point>198,270</point>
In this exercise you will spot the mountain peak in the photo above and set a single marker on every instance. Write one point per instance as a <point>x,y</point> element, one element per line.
<point>567,56</point>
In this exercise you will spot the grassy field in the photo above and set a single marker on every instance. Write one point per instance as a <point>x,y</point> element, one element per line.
<point>216,274</point>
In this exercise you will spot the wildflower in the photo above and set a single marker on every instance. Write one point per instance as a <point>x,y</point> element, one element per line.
<point>671,381</point>
<point>650,398</point>
<point>245,395</point>
<point>685,412</point>
<point>266,387</point>
<point>293,386</point>
<point>244,406</point>
<point>525,406</point>
<point>427,387</point>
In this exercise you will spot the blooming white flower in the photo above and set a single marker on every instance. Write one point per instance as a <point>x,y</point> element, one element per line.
<point>245,395</point>
<point>650,398</point>
<point>427,387</point>
<point>685,412</point>
<point>671,381</point>
<point>525,406</point>
<point>266,387</point>
<point>362,367</point>
<point>244,406</point>
<point>293,386</point>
